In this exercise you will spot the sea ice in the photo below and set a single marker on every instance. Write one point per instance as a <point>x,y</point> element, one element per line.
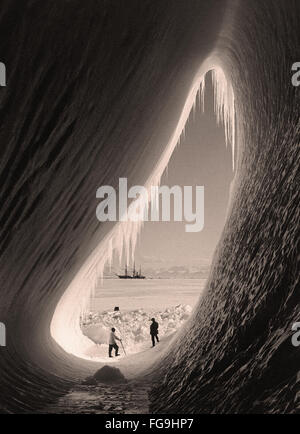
<point>133,327</point>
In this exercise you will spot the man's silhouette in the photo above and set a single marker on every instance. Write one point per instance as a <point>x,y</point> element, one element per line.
<point>154,331</point>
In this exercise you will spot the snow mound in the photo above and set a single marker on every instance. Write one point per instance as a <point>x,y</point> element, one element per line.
<point>106,375</point>
<point>132,326</point>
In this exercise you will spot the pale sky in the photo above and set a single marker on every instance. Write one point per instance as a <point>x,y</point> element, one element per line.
<point>200,159</point>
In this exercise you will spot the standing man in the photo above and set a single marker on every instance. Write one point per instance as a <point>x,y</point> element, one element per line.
<point>154,331</point>
<point>112,342</point>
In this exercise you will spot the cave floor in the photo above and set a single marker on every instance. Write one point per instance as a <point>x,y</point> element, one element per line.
<point>128,398</point>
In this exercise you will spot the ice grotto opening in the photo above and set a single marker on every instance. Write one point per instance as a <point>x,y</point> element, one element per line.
<point>73,116</point>
<point>180,259</point>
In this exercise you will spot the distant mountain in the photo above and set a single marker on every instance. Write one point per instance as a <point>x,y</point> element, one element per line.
<point>179,272</point>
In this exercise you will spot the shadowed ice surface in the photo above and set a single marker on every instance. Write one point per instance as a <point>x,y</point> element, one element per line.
<point>94,92</point>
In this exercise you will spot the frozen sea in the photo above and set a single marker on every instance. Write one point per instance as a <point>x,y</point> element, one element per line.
<point>148,294</point>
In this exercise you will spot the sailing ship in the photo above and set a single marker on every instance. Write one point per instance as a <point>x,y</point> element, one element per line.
<point>135,274</point>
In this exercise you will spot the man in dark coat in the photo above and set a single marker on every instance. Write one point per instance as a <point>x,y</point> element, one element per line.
<point>154,331</point>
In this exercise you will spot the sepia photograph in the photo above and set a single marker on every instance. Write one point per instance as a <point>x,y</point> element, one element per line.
<point>150,209</point>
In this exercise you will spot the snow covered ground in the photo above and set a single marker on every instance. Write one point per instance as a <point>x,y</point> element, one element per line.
<point>169,301</point>
<point>132,327</point>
